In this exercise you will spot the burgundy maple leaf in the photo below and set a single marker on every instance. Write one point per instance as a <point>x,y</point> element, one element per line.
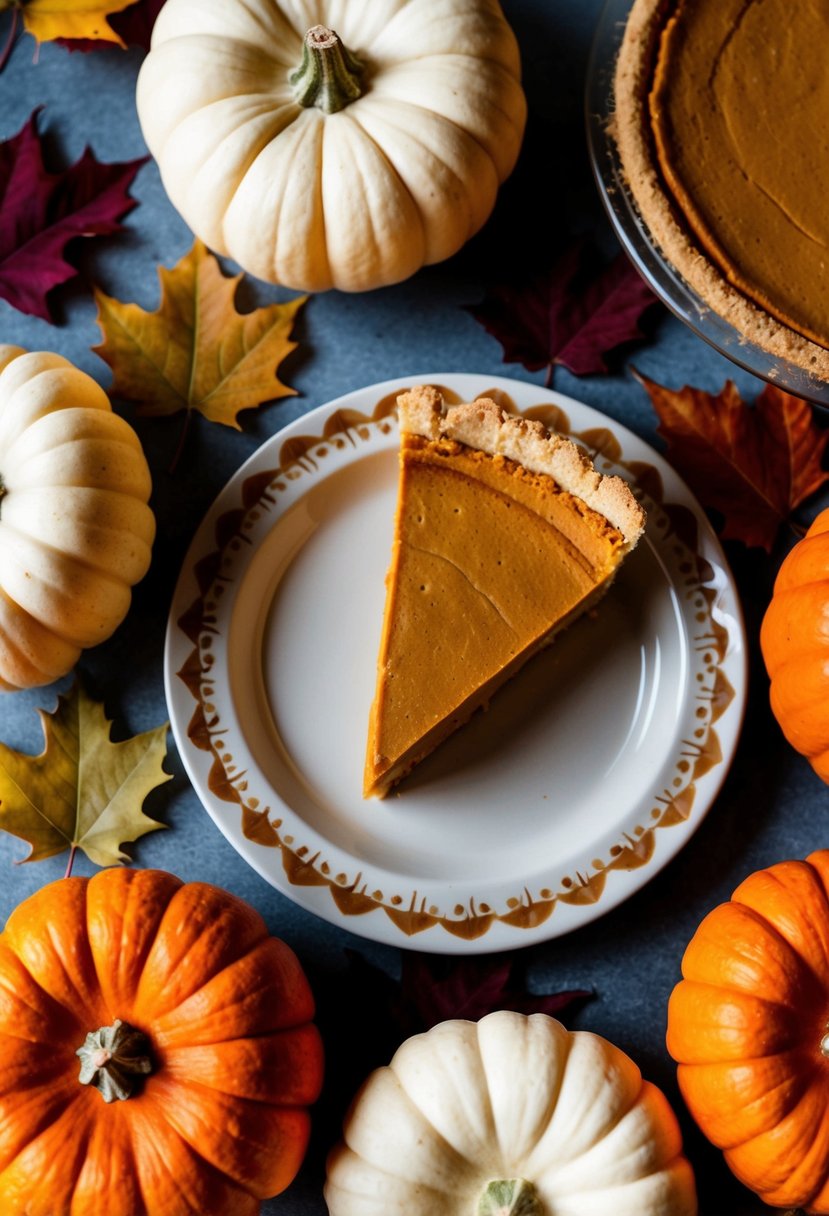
<point>576,312</point>
<point>41,211</point>
<point>437,989</point>
<point>133,25</point>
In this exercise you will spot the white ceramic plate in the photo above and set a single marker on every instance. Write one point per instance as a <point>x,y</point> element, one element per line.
<point>590,770</point>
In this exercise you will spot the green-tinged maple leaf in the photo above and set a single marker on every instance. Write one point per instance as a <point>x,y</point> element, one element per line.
<point>83,791</point>
<point>196,352</point>
<point>753,464</point>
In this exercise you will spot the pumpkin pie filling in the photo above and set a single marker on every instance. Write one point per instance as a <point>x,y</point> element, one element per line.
<point>720,121</point>
<point>491,558</point>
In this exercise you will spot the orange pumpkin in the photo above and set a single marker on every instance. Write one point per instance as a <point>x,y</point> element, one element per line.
<point>748,1028</point>
<point>205,1018</point>
<point>794,639</point>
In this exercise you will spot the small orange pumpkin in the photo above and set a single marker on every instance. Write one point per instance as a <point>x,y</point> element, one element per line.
<point>794,639</point>
<point>748,1027</point>
<point>176,999</point>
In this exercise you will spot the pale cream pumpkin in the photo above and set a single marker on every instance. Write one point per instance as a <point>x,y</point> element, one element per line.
<point>322,159</point>
<point>75,528</point>
<point>512,1116</point>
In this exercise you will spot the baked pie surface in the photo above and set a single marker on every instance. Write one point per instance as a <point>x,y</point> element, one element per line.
<point>504,534</point>
<point>720,107</point>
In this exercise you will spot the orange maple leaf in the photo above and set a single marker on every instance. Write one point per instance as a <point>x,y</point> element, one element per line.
<point>754,465</point>
<point>50,19</point>
<point>196,351</point>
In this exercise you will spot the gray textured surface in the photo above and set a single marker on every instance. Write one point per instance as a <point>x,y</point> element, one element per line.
<point>771,807</point>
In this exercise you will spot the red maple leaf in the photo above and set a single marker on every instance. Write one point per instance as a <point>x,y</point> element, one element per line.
<point>754,465</point>
<point>576,313</point>
<point>41,211</point>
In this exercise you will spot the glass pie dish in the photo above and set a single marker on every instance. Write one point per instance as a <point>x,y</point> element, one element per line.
<point>637,241</point>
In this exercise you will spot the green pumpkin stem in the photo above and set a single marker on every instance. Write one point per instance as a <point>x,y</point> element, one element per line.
<point>509,1197</point>
<point>329,75</point>
<point>113,1058</point>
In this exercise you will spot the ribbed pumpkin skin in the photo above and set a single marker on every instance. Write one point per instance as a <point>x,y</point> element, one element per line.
<point>399,178</point>
<point>75,528</point>
<point>221,1123</point>
<point>745,1026</point>
<point>794,639</point>
<point>511,1096</point>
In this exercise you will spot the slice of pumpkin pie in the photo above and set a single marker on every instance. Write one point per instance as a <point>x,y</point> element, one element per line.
<point>504,534</point>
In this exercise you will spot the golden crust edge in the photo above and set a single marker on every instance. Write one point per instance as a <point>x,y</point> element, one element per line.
<point>484,425</point>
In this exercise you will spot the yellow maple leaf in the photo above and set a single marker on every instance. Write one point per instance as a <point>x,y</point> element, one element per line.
<point>50,19</point>
<point>83,791</point>
<point>196,352</point>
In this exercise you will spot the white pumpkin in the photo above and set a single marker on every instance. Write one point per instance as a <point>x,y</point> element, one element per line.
<point>75,528</point>
<point>318,163</point>
<point>512,1116</point>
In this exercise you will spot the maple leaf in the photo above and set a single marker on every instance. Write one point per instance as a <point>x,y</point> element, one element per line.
<point>47,20</point>
<point>83,791</point>
<point>576,312</point>
<point>196,352</point>
<point>754,465</point>
<point>41,211</point>
<point>437,989</point>
<point>133,27</point>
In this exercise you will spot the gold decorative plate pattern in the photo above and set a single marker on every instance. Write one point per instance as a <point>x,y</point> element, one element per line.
<point>232,650</point>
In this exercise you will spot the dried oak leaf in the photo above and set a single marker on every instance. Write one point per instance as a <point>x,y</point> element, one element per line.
<point>576,313</point>
<point>42,211</point>
<point>196,352</point>
<point>47,20</point>
<point>752,464</point>
<point>83,791</point>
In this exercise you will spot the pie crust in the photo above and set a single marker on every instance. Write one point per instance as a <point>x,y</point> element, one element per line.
<point>632,129</point>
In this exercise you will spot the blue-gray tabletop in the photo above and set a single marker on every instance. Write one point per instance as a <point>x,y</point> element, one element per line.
<point>771,805</point>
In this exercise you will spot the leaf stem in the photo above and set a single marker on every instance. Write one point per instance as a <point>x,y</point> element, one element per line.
<point>71,860</point>
<point>181,439</point>
<point>7,48</point>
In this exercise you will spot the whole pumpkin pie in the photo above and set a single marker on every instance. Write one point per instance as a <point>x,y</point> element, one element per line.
<point>504,534</point>
<point>721,109</point>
